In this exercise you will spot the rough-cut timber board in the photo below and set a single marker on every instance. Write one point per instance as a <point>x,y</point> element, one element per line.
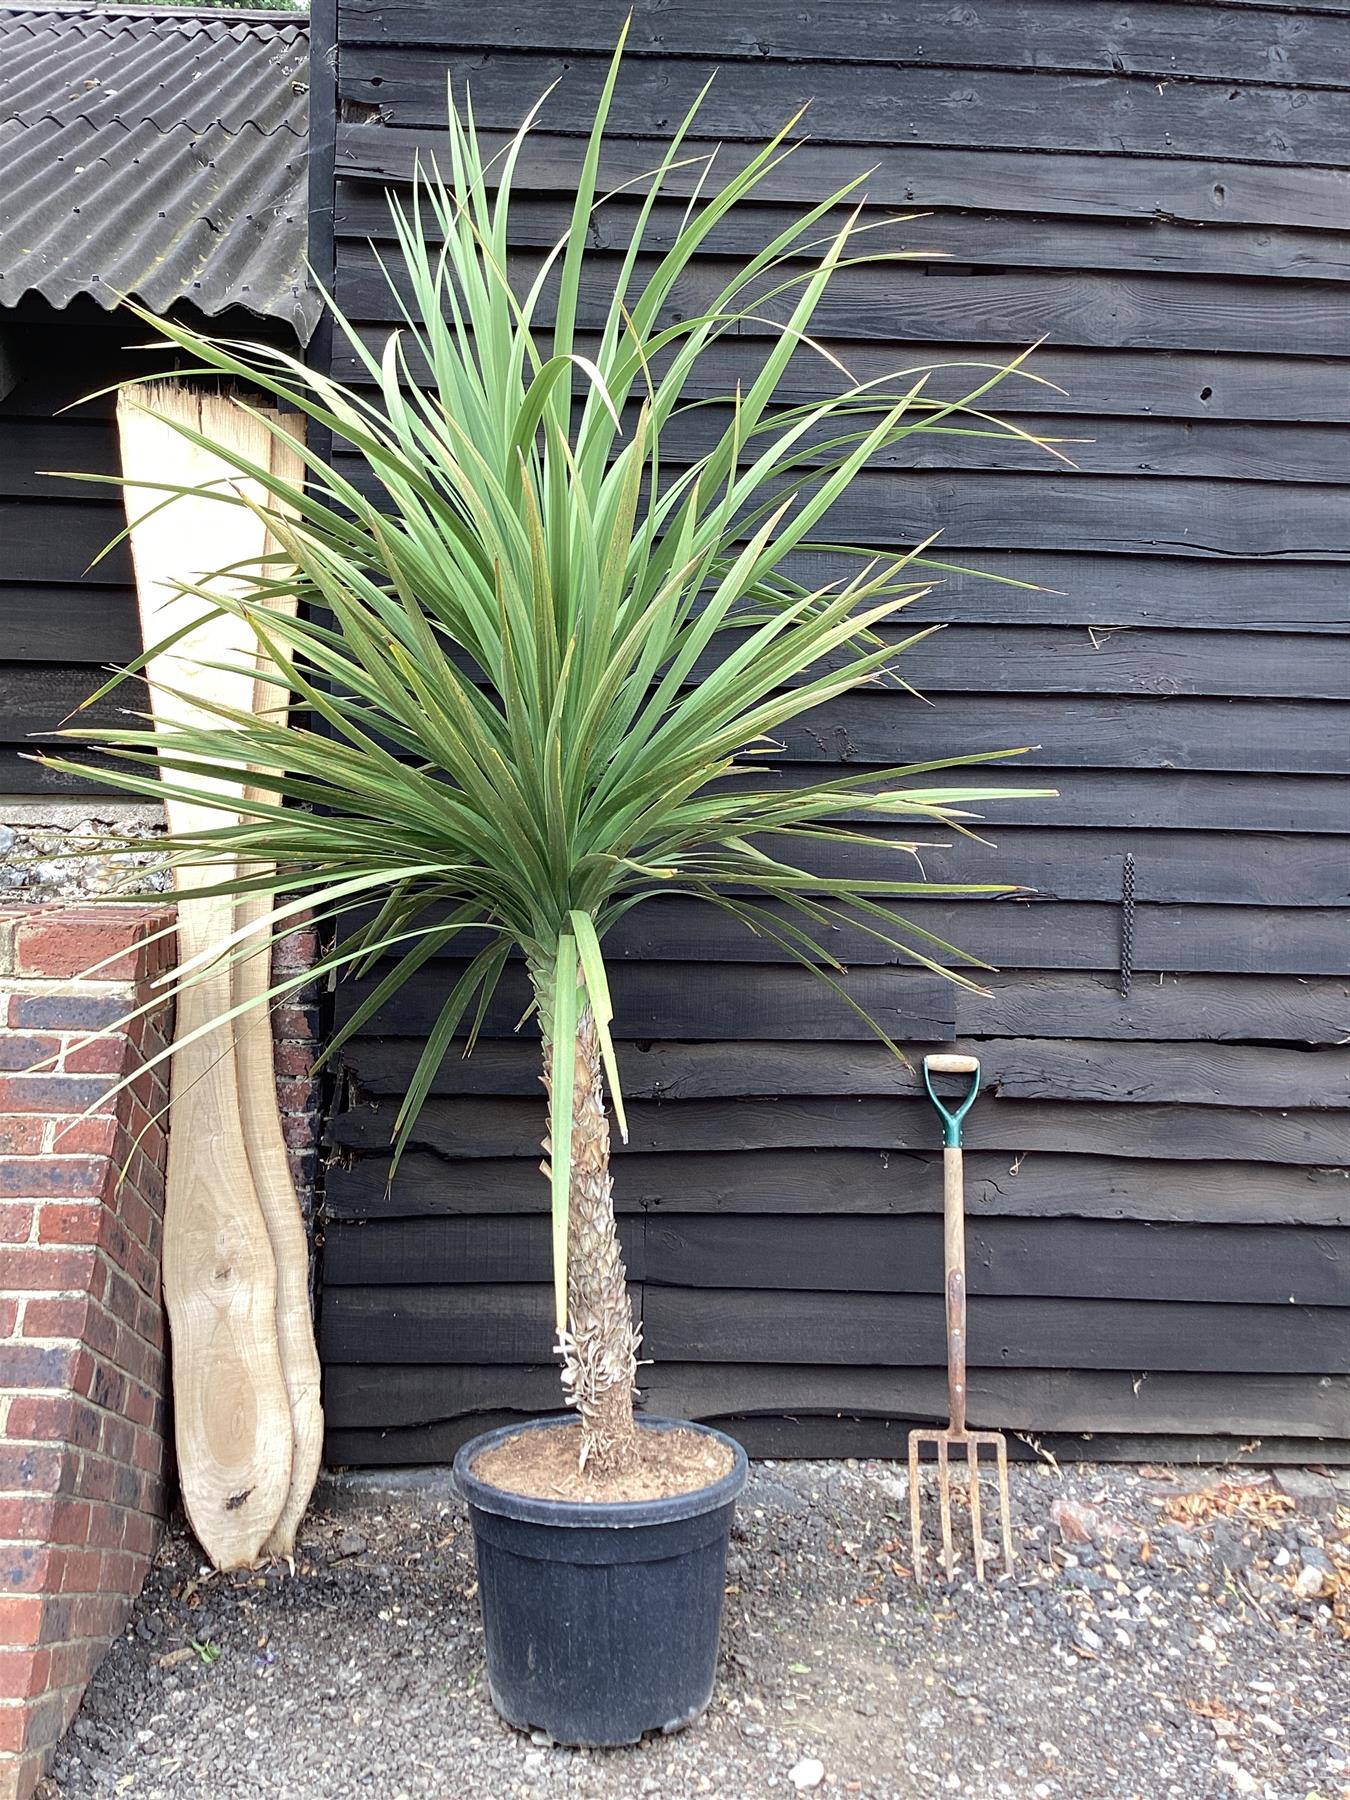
<point>401,1395</point>
<point>1048,1258</point>
<point>267,1155</point>
<point>1019,1068</point>
<point>231,1411</point>
<point>838,1435</point>
<point>850,1182</point>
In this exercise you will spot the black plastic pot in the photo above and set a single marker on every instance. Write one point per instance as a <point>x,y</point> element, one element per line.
<point>602,1620</point>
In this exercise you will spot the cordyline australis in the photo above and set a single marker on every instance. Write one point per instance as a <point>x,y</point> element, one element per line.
<point>537,665</point>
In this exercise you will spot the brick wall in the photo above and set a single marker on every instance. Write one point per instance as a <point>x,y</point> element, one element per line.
<point>295,1038</point>
<point>83,1377</point>
<point>83,1381</point>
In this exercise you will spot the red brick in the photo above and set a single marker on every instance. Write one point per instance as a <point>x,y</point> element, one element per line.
<point>293,1060</point>
<point>70,1521</point>
<point>296,1096</point>
<point>71,1221</point>
<point>16,1221</point>
<point>55,1418</point>
<point>80,1571</point>
<point>23,1673</point>
<point>24,1568</point>
<point>50,1269</point>
<point>56,1316</point>
<point>85,1137</point>
<point>96,1615</point>
<point>53,1177</point>
<point>28,1365</point>
<point>24,1516</point>
<point>20,1619</point>
<point>73,1664</point>
<point>51,1093</point>
<point>298,1130</point>
<point>295,1023</point>
<point>23,1051</point>
<point>9,1316</point>
<point>67,944</point>
<point>34,1469</point>
<point>21,1134</point>
<point>100,1056</point>
<point>140,1533</point>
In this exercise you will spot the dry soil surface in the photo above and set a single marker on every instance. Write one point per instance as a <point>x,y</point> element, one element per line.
<point>1167,1634</point>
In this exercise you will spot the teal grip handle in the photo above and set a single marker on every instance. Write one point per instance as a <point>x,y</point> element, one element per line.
<point>951,1119</point>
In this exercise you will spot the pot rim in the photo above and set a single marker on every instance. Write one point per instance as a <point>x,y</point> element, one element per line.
<point>486,1497</point>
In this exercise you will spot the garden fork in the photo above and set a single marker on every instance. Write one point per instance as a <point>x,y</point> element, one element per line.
<point>954,1265</point>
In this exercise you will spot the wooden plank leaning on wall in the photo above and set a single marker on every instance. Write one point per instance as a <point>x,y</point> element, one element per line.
<point>245,1370</point>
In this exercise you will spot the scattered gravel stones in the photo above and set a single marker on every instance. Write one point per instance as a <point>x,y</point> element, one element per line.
<point>1149,1646</point>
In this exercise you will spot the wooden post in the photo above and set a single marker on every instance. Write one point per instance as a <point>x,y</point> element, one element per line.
<point>245,1373</point>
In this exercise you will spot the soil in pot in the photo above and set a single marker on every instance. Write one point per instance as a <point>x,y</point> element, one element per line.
<point>545,1466</point>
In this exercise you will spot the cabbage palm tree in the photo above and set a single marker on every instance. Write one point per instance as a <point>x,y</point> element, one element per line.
<point>537,665</point>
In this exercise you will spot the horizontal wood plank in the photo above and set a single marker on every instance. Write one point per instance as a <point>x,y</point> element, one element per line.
<point>1049,1185</point>
<point>394,1395</point>
<point>689,1325</point>
<point>1299,48</point>
<point>479,1127</point>
<point>865,104</point>
<point>837,1435</point>
<point>513,1323</point>
<point>1083,187</point>
<point>1160,245</point>
<point>1018,1068</point>
<point>942,304</point>
<point>1088,382</point>
<point>745,1002</point>
<point>1034,1258</point>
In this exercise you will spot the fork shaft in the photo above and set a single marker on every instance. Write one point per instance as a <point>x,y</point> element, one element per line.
<point>954,1262</point>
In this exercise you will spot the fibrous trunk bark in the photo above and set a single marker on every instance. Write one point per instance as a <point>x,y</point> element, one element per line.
<point>600,1346</point>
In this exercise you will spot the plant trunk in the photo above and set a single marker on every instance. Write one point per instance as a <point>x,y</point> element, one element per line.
<point>600,1346</point>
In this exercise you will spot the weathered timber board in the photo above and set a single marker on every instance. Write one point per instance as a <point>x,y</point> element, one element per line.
<point>835,1436</point>
<point>1297,49</point>
<point>76,626</point>
<point>394,1396</point>
<point>1018,1068</point>
<point>1295,737</point>
<point>513,1323</point>
<point>948,304</point>
<point>975,238</point>
<point>761,1001</point>
<point>1057,1257</point>
<point>729,1324</point>
<point>993,108</point>
<point>848,1182</point>
<point>1083,187</point>
<point>1198,1007</point>
<point>470,1128</point>
<point>843,1437</point>
<point>1101,381</point>
<point>1160,799</point>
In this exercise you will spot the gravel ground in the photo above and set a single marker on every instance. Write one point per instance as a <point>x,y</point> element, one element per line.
<point>1168,1634</point>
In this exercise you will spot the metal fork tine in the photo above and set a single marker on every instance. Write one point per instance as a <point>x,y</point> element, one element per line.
<point>915,1520</point>
<point>945,1507</point>
<point>1005,1504</point>
<point>973,1466</point>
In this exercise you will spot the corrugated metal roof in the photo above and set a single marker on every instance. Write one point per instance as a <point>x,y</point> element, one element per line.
<point>155,153</point>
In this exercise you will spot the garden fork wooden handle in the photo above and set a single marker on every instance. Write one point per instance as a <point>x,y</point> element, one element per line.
<point>954,1271</point>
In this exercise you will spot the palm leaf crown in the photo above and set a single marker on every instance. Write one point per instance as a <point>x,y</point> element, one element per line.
<point>536,671</point>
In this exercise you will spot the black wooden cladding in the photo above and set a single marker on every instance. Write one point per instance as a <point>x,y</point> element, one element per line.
<point>1158,1185</point>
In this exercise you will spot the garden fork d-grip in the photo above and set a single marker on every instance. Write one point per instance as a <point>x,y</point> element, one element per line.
<point>954,1268</point>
